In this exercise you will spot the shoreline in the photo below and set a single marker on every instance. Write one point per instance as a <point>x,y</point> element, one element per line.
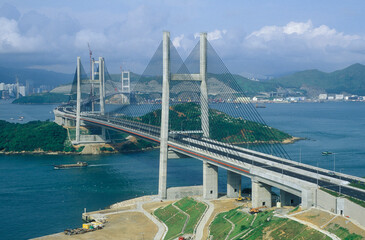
<point>285,141</point>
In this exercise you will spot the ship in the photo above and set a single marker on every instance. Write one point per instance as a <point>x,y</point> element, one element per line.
<point>326,153</point>
<point>76,165</point>
<point>260,106</point>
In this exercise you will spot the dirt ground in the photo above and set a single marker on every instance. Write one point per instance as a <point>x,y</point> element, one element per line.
<point>128,225</point>
<point>151,207</point>
<point>322,219</point>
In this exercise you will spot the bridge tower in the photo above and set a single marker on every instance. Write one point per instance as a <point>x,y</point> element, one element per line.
<point>210,172</point>
<point>126,86</point>
<point>97,83</point>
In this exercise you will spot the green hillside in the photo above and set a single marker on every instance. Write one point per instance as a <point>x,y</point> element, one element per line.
<point>252,88</point>
<point>47,136</point>
<point>43,98</point>
<point>350,80</point>
<point>223,127</point>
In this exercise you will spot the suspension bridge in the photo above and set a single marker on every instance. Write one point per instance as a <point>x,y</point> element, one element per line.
<point>195,108</point>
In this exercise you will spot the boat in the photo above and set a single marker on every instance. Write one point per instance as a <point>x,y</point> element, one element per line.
<point>76,165</point>
<point>260,106</point>
<point>326,153</point>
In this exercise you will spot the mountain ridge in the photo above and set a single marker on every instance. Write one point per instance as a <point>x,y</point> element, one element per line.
<point>347,80</point>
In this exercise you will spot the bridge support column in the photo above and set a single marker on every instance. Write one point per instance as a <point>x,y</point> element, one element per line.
<point>78,101</point>
<point>233,184</point>
<point>162,190</point>
<point>103,133</point>
<point>210,181</point>
<point>203,86</point>
<point>261,194</point>
<point>288,199</point>
<point>308,196</point>
<point>101,86</point>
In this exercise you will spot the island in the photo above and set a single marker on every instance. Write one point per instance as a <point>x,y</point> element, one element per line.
<point>223,127</point>
<point>50,138</point>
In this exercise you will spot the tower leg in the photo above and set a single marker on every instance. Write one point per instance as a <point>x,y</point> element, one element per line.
<point>162,189</point>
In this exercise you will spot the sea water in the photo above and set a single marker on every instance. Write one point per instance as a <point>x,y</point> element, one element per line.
<point>36,200</point>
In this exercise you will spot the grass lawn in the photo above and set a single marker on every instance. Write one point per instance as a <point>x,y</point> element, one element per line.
<point>265,226</point>
<point>173,219</point>
<point>342,232</point>
<point>194,209</point>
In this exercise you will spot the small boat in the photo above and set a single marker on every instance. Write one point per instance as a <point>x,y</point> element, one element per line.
<point>260,106</point>
<point>76,165</point>
<point>11,118</point>
<point>326,153</point>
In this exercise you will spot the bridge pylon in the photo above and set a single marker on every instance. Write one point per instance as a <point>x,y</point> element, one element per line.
<point>96,83</point>
<point>210,172</point>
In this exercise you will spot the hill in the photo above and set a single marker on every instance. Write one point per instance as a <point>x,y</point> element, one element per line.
<point>350,80</point>
<point>37,77</point>
<point>43,98</point>
<point>186,116</point>
<point>31,136</point>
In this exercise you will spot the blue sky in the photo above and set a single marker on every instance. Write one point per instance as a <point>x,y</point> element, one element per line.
<point>259,37</point>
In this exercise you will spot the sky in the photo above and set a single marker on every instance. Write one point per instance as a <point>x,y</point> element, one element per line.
<point>257,37</point>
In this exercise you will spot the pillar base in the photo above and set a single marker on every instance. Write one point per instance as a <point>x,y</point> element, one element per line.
<point>233,184</point>
<point>261,194</point>
<point>210,181</point>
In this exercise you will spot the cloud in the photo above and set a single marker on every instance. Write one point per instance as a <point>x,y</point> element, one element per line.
<point>299,35</point>
<point>302,45</point>
<point>177,40</point>
<point>215,35</point>
<point>11,41</point>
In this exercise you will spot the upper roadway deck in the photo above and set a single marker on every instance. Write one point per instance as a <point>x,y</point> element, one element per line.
<point>282,173</point>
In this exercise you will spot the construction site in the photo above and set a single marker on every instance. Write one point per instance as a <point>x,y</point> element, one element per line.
<point>149,217</point>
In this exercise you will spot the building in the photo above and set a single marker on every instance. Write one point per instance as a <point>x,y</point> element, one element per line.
<point>22,90</point>
<point>322,96</point>
<point>339,97</point>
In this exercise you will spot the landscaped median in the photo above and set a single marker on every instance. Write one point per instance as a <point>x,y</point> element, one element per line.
<point>179,223</point>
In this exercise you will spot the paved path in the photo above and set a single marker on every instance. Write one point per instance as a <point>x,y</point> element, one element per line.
<point>204,220</point>
<point>162,228</point>
<point>187,218</point>
<point>232,224</point>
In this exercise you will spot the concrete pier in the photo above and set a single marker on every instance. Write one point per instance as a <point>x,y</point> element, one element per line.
<point>162,191</point>
<point>78,101</point>
<point>288,199</point>
<point>101,87</point>
<point>233,184</point>
<point>261,194</point>
<point>210,181</point>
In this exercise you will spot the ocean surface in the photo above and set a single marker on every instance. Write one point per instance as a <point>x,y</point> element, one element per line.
<point>36,200</point>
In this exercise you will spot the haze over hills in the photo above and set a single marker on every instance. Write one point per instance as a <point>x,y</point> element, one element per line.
<point>347,80</point>
<point>36,76</point>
